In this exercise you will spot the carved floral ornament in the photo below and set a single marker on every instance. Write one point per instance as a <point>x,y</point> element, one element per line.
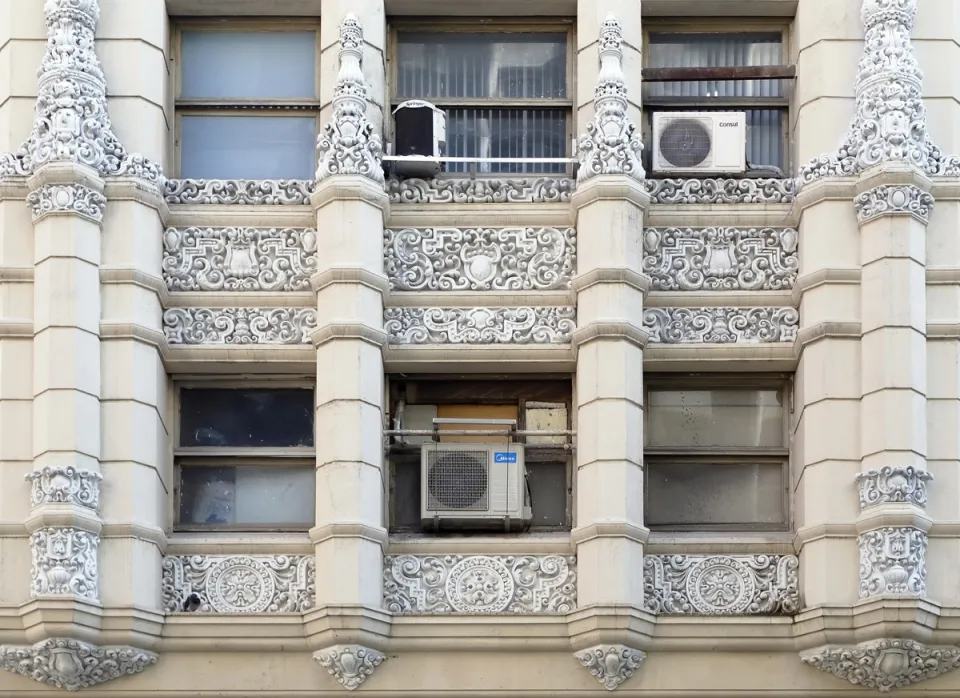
<point>64,563</point>
<point>892,561</point>
<point>893,485</point>
<point>239,325</point>
<point>611,664</point>
<point>523,325</point>
<point>894,200</point>
<point>720,325</point>
<point>884,664</point>
<point>76,199</point>
<point>73,664</point>
<point>64,485</point>
<point>350,665</point>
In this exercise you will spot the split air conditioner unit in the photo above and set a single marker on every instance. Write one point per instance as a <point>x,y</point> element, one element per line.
<point>700,142</point>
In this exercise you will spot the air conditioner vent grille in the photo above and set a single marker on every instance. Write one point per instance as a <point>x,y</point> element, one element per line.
<point>457,480</point>
<point>686,143</point>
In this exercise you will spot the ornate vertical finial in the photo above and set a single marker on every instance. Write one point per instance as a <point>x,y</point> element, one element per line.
<point>890,124</point>
<point>72,123</point>
<point>611,144</point>
<point>348,144</point>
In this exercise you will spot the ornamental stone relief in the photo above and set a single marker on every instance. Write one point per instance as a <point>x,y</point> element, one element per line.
<point>611,144</point>
<point>884,664</point>
<point>536,190</point>
<point>239,583</point>
<point>720,325</point>
<point>713,585</point>
<point>480,259</point>
<point>60,484</point>
<point>892,562</point>
<point>239,325</point>
<point>894,200</point>
<point>721,191</point>
<point>72,122</point>
<point>51,199</point>
<point>350,665</point>
<point>539,325</point>
<point>720,259</point>
<point>611,664</point>
<point>485,584</point>
<point>71,665</point>
<point>64,563</point>
<point>268,192</point>
<point>239,259</point>
<point>893,484</point>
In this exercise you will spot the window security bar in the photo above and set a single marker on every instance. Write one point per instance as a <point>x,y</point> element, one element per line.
<point>751,72</point>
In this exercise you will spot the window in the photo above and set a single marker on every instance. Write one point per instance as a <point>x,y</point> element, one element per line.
<point>247,102</point>
<point>245,459</point>
<point>764,101</point>
<point>506,92</point>
<point>715,454</point>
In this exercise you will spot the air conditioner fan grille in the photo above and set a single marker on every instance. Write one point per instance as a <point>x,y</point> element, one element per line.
<point>685,143</point>
<point>457,480</point>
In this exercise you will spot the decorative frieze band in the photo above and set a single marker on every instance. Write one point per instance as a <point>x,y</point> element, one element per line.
<point>71,665</point>
<point>238,583</point>
<point>265,192</point>
<point>479,584</point>
<point>239,259</point>
<point>480,259</point>
<point>239,325</point>
<point>611,664</point>
<point>892,561</point>
<point>894,200</point>
<point>76,199</point>
<point>58,484</point>
<point>720,325</point>
<point>721,259</point>
<point>721,584</point>
<point>721,191</point>
<point>524,325</point>
<point>893,485</point>
<point>64,563</point>
<point>535,190</point>
<point>884,664</point>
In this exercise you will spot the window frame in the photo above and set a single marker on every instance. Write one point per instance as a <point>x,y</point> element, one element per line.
<point>275,107</point>
<point>721,26</point>
<point>503,25</point>
<point>237,456</point>
<point>709,455</point>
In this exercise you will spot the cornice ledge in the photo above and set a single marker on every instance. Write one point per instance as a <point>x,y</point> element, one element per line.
<point>13,188</point>
<point>16,328</point>
<point>827,189</point>
<point>63,516</point>
<point>73,664</point>
<point>137,277</point>
<point>351,188</point>
<point>348,330</point>
<point>66,173</point>
<point>808,534</point>
<point>350,665</point>
<point>130,330</point>
<point>936,276</point>
<point>612,275</point>
<point>373,534</point>
<point>825,330</point>
<point>609,329</point>
<point>822,277</point>
<point>623,188</point>
<point>16,274</point>
<point>894,515</point>
<point>893,174</point>
<point>126,188</point>
<point>350,275</point>
<point>150,534</point>
<point>610,529</point>
<point>943,330</point>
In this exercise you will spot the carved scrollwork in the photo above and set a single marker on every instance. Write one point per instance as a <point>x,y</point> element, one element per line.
<point>266,192</point>
<point>58,484</point>
<point>71,665</point>
<point>74,199</point>
<point>239,325</point>
<point>240,583</point>
<point>540,325</point>
<point>611,664</point>
<point>720,325</point>
<point>64,563</point>
<point>350,665</point>
<point>721,259</point>
<point>721,584</point>
<point>884,664</point>
<point>461,259</point>
<point>537,190</point>
<point>479,584</point>
<point>891,484</point>
<point>894,200</point>
<point>721,191</point>
<point>892,561</point>
<point>239,259</point>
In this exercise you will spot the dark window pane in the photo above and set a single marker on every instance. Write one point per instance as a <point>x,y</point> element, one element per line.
<point>723,417</point>
<point>405,497</point>
<point>506,133</point>
<point>548,493</point>
<point>246,417</point>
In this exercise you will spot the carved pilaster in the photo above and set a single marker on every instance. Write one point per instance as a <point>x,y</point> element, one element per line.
<point>350,665</point>
<point>611,664</point>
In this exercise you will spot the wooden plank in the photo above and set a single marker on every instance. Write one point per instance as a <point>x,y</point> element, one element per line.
<point>753,72</point>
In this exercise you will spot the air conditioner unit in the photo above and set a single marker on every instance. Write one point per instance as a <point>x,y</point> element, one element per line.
<point>420,133</point>
<point>700,142</point>
<point>470,485</point>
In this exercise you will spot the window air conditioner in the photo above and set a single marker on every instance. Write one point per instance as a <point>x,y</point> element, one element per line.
<point>469,485</point>
<point>699,142</point>
<point>420,132</point>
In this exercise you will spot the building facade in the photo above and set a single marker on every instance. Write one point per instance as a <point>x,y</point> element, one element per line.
<point>232,332</point>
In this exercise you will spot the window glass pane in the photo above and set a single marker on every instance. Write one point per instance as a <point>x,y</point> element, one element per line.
<point>476,66</point>
<point>714,51</point>
<point>246,417</point>
<point>728,418</point>
<point>247,147</point>
<point>506,133</point>
<point>260,495</point>
<point>248,64</point>
<point>548,493</point>
<point>682,494</point>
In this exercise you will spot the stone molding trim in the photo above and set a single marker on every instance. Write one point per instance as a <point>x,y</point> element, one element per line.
<point>348,144</point>
<point>612,275</point>
<point>721,259</point>
<point>72,121</point>
<point>249,192</point>
<point>713,585</point>
<point>607,330</point>
<point>350,665</point>
<point>884,664</point>
<point>71,665</point>
<point>350,275</point>
<point>239,583</point>
<point>890,124</point>
<point>894,200</point>
<point>348,330</point>
<point>480,259</point>
<point>893,485</point>
<point>523,325</point>
<point>720,325</point>
<point>479,584</point>
<point>64,484</point>
<point>611,664</point>
<point>462,190</point>
<point>64,563</point>
<point>239,325</point>
<point>239,259</point>
<point>721,191</point>
<point>892,561</point>
<point>67,199</point>
<point>611,145</point>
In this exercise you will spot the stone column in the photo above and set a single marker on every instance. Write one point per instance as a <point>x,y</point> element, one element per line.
<point>610,202</point>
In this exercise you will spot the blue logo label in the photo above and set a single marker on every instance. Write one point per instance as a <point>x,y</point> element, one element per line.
<point>504,457</point>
